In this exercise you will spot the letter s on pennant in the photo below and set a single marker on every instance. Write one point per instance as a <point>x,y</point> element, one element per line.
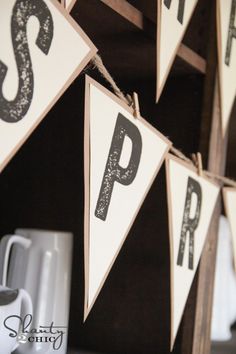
<point>13,111</point>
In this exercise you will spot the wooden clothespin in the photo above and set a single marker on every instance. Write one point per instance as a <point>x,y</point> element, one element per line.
<point>194,158</point>
<point>199,164</point>
<point>197,160</point>
<point>136,105</point>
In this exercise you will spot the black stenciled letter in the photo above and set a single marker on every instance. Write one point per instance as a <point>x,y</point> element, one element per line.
<point>190,224</point>
<point>231,33</point>
<point>15,110</point>
<point>113,171</point>
<point>180,16</point>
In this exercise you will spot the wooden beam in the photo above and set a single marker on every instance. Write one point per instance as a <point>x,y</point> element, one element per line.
<point>196,326</point>
<point>136,17</point>
<point>192,58</point>
<point>206,275</point>
<point>128,11</point>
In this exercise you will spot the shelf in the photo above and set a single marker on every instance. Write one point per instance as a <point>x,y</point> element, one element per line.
<point>125,38</point>
<point>136,17</point>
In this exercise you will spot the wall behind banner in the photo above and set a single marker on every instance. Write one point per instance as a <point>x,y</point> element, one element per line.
<point>42,187</point>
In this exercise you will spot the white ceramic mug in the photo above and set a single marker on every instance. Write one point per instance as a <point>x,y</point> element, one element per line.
<point>15,305</point>
<point>40,262</point>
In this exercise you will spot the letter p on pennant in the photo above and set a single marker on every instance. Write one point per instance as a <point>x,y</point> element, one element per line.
<point>123,155</point>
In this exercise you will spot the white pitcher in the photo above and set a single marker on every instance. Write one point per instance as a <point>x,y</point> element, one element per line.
<point>39,261</point>
<point>15,306</point>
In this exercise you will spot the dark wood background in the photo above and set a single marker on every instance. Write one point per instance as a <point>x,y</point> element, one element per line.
<point>42,186</point>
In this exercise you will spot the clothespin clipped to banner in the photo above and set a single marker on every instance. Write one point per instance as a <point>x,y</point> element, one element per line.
<point>63,2</point>
<point>199,164</point>
<point>136,105</point>
<point>197,160</point>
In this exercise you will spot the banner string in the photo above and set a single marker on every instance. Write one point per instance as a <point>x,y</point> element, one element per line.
<point>98,63</point>
<point>179,154</point>
<point>227,181</point>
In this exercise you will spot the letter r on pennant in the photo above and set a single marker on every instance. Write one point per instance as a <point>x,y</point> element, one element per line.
<point>180,16</point>
<point>189,224</point>
<point>231,33</point>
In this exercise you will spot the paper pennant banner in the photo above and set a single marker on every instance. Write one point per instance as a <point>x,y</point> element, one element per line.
<point>123,155</point>
<point>191,201</point>
<point>229,195</point>
<point>172,21</point>
<point>42,52</point>
<point>226,24</point>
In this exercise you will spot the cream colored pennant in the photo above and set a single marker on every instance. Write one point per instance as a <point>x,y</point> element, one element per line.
<point>172,21</point>
<point>42,51</point>
<point>229,195</point>
<point>123,155</point>
<point>191,202</point>
<point>226,25</point>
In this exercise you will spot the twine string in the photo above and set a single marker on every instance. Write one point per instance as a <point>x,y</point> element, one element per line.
<point>196,158</point>
<point>179,154</point>
<point>227,181</point>
<point>98,63</point>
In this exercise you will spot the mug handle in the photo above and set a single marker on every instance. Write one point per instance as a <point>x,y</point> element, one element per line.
<point>5,249</point>
<point>26,303</point>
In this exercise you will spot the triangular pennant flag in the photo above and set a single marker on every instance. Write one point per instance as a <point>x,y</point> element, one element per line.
<point>191,202</point>
<point>229,195</point>
<point>42,51</point>
<point>172,21</point>
<point>69,4</point>
<point>123,155</point>
<point>226,28</point>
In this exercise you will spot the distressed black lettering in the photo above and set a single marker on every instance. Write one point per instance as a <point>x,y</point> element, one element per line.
<point>189,225</point>
<point>113,171</point>
<point>231,33</point>
<point>180,16</point>
<point>14,110</point>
